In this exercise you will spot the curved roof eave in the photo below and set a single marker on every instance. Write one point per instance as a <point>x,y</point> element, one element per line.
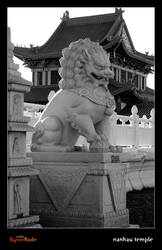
<point>122,90</point>
<point>113,27</point>
<point>129,37</point>
<point>23,56</point>
<point>135,56</point>
<point>145,96</point>
<point>112,43</point>
<point>53,36</point>
<point>22,53</point>
<point>30,52</point>
<point>149,57</point>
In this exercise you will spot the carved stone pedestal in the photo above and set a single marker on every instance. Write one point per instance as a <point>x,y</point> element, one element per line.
<point>19,166</point>
<point>79,189</point>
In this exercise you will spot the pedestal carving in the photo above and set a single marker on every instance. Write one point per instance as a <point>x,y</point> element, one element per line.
<point>79,193</point>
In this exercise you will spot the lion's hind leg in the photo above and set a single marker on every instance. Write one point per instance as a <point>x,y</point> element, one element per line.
<point>47,135</point>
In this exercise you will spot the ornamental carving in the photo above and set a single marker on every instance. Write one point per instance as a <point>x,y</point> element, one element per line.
<point>17,104</point>
<point>126,40</point>
<point>61,185</point>
<point>117,178</point>
<point>17,198</point>
<point>16,146</point>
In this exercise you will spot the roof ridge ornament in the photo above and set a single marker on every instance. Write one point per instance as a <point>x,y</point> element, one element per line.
<point>65,16</point>
<point>119,10</point>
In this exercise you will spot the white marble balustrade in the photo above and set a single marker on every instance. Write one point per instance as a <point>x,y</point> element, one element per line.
<point>138,133</point>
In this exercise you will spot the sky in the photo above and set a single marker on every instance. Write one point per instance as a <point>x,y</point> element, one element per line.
<point>36,25</point>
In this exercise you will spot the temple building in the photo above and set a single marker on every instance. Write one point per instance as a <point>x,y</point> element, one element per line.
<point>130,67</point>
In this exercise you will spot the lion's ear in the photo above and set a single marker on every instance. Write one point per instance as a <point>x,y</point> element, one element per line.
<point>86,55</point>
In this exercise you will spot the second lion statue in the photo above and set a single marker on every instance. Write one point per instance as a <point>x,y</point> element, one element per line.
<point>83,103</point>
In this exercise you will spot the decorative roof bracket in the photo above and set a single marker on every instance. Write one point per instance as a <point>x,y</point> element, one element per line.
<point>65,16</point>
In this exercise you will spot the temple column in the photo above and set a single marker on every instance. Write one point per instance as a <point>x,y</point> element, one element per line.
<point>139,82</point>
<point>35,78</point>
<point>145,83</point>
<point>49,77</point>
<point>126,75</point>
<point>43,78</point>
<point>119,74</point>
<point>116,74</point>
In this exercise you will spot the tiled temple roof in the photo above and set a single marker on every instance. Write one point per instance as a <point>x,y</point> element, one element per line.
<point>94,27</point>
<point>106,27</point>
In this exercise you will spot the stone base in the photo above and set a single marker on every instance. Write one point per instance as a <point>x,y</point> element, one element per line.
<point>25,222</point>
<point>79,189</point>
<point>34,226</point>
<point>115,220</point>
<point>133,226</point>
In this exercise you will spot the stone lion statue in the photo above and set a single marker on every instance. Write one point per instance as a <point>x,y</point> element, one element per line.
<point>82,105</point>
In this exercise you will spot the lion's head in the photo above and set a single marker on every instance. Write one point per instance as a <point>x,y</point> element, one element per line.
<point>84,63</point>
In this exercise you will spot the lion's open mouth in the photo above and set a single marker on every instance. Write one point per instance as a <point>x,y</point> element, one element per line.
<point>99,77</point>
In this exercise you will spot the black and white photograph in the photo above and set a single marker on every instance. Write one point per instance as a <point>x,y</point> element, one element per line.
<point>81,116</point>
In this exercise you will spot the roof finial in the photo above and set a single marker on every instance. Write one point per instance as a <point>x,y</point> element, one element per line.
<point>119,10</point>
<point>65,16</point>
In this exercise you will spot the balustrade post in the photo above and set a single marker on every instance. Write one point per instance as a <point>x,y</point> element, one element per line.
<point>152,113</point>
<point>134,112</point>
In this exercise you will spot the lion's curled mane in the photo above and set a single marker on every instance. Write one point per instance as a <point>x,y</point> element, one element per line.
<point>72,71</point>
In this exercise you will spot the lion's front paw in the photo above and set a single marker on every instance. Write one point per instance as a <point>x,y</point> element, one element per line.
<point>100,145</point>
<point>116,149</point>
